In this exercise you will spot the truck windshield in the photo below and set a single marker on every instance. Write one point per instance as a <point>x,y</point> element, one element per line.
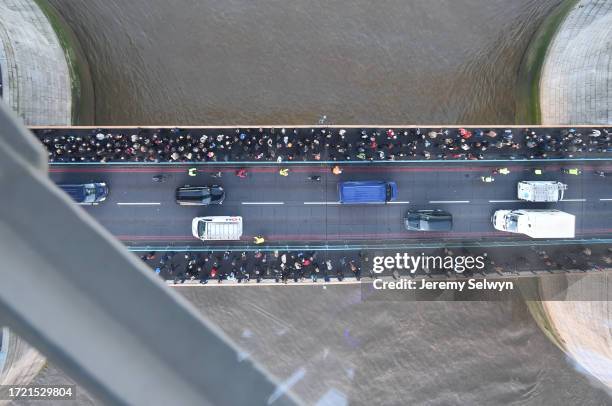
<point>511,222</point>
<point>90,190</point>
<point>201,228</point>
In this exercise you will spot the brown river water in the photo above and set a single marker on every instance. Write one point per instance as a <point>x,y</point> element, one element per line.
<point>236,61</point>
<point>233,62</point>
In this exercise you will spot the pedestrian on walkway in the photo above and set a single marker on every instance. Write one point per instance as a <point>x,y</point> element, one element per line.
<point>315,272</point>
<point>284,172</point>
<point>203,278</point>
<point>355,269</point>
<point>572,171</point>
<point>336,170</point>
<point>501,171</point>
<point>465,134</point>
<point>258,240</point>
<point>241,173</point>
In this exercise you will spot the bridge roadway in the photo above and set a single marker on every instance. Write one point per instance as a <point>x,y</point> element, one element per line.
<point>294,210</point>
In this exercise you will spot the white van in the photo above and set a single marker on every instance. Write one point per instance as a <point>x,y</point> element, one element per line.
<point>536,223</point>
<point>217,228</point>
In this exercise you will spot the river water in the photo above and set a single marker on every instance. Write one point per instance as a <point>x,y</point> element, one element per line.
<point>334,347</point>
<point>217,62</point>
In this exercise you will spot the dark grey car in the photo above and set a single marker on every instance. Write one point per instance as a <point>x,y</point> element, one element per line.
<point>428,220</point>
<point>200,195</point>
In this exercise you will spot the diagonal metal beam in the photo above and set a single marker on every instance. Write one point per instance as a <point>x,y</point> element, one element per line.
<point>74,292</point>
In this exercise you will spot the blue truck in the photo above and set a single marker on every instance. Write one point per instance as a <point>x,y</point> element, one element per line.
<point>367,192</point>
<point>86,193</point>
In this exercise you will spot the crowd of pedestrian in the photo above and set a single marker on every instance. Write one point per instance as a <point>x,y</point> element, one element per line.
<point>570,143</point>
<point>317,144</point>
<point>243,267</point>
<point>317,267</point>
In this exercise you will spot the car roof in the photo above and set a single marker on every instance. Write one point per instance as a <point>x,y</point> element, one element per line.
<point>193,187</point>
<point>437,223</point>
<point>194,191</point>
<point>434,213</point>
<point>363,191</point>
<point>432,219</point>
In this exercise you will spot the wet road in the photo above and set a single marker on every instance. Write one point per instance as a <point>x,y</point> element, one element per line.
<point>295,210</point>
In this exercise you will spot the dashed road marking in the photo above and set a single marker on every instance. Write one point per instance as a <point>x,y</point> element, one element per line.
<point>505,201</point>
<point>263,203</point>
<point>398,202</point>
<point>573,200</point>
<point>322,203</point>
<point>449,201</point>
<point>605,200</point>
<point>138,204</point>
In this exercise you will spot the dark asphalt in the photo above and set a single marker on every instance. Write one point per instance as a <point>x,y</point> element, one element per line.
<point>309,213</point>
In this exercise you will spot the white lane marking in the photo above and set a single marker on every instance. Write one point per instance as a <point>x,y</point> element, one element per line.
<point>321,202</point>
<point>139,204</point>
<point>449,201</point>
<point>505,201</point>
<point>398,202</point>
<point>605,200</point>
<point>573,200</point>
<point>257,203</point>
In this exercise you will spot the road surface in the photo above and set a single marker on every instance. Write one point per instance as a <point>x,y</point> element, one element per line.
<point>294,210</point>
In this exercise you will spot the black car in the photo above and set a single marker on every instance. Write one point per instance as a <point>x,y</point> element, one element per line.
<point>428,220</point>
<point>86,193</point>
<point>200,195</point>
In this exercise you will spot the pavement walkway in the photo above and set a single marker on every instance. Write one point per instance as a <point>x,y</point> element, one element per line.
<point>35,74</point>
<point>576,81</point>
<point>320,144</point>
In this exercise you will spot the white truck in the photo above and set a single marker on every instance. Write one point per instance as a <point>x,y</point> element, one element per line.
<point>217,228</point>
<point>535,223</point>
<point>541,190</point>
